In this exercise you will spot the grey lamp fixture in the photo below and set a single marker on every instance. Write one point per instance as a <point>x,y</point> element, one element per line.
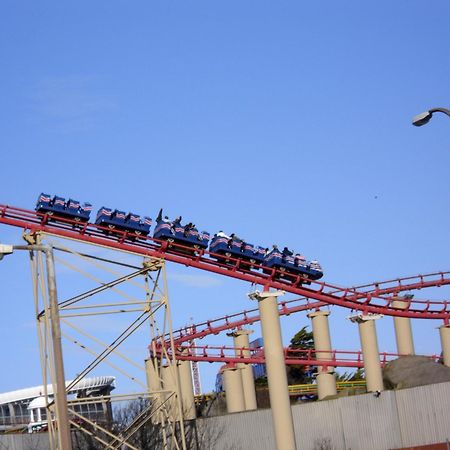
<point>423,118</point>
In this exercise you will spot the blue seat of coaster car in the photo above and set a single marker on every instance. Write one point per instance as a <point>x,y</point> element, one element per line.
<point>236,248</point>
<point>146,223</point>
<point>292,264</point>
<point>43,203</point>
<point>163,229</point>
<point>103,216</point>
<point>135,223</point>
<point>118,217</point>
<point>74,209</point>
<point>58,204</point>
<point>73,206</point>
<point>316,270</point>
<point>179,233</point>
<point>85,210</point>
<point>219,244</point>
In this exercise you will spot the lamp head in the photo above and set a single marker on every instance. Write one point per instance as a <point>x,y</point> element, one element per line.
<point>5,250</point>
<point>422,118</point>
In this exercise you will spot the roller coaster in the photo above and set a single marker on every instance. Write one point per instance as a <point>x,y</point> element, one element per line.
<point>115,229</point>
<point>370,298</point>
<point>180,238</point>
<point>231,257</point>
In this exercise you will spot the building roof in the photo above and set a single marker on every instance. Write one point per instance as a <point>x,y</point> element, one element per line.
<point>90,384</point>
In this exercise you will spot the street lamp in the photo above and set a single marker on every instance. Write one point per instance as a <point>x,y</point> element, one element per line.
<point>65,441</point>
<point>423,118</point>
<point>5,250</point>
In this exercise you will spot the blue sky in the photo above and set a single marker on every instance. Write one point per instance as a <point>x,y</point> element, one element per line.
<point>284,122</point>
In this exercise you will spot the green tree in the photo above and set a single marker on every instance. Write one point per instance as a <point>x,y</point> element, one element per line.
<point>358,375</point>
<point>302,340</point>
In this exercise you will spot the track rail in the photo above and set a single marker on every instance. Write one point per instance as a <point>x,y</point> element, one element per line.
<point>232,355</point>
<point>185,350</point>
<point>238,320</point>
<point>372,298</point>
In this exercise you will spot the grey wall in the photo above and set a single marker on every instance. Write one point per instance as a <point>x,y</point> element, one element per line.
<point>396,419</point>
<point>24,442</point>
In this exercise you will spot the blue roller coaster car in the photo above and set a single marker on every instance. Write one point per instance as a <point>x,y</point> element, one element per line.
<point>120,220</point>
<point>237,248</point>
<point>58,206</point>
<point>182,234</point>
<point>293,264</point>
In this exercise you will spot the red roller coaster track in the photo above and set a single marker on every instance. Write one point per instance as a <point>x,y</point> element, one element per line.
<point>371,298</point>
<point>224,354</point>
<point>184,337</point>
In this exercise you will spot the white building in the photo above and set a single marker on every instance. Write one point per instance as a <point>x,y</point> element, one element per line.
<point>26,407</point>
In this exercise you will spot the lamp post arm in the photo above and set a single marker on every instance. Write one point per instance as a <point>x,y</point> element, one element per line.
<point>35,247</point>
<point>442,110</point>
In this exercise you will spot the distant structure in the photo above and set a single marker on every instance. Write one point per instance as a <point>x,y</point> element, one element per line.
<point>259,370</point>
<point>195,369</point>
<point>26,407</point>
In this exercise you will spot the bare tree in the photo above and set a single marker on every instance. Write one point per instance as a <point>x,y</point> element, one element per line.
<point>199,434</point>
<point>136,414</point>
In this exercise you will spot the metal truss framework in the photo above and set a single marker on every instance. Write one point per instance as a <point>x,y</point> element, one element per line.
<point>149,309</point>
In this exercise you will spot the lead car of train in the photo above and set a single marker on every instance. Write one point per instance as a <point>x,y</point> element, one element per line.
<point>222,247</point>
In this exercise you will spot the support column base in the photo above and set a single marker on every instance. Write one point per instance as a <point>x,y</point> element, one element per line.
<point>326,385</point>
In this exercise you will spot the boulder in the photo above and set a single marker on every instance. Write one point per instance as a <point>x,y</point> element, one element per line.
<point>411,371</point>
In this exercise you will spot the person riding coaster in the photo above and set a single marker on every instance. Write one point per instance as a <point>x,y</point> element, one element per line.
<point>175,232</point>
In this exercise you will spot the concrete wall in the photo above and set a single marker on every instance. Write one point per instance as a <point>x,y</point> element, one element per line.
<point>24,442</point>
<point>394,420</point>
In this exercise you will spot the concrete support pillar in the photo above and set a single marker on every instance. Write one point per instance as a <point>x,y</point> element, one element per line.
<point>403,330</point>
<point>234,392</point>
<point>326,379</point>
<point>444,332</point>
<point>276,369</point>
<point>153,380</point>
<point>154,388</point>
<point>326,384</point>
<point>187,390</point>
<point>241,340</point>
<point>168,375</point>
<point>371,355</point>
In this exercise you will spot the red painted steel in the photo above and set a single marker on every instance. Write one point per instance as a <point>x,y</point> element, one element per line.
<point>238,320</point>
<point>224,354</point>
<point>372,300</point>
<point>186,351</point>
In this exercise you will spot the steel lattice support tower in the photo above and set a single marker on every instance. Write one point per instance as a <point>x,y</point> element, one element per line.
<point>150,308</point>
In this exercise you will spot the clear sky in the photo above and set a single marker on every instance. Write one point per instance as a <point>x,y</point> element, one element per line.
<point>285,122</point>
